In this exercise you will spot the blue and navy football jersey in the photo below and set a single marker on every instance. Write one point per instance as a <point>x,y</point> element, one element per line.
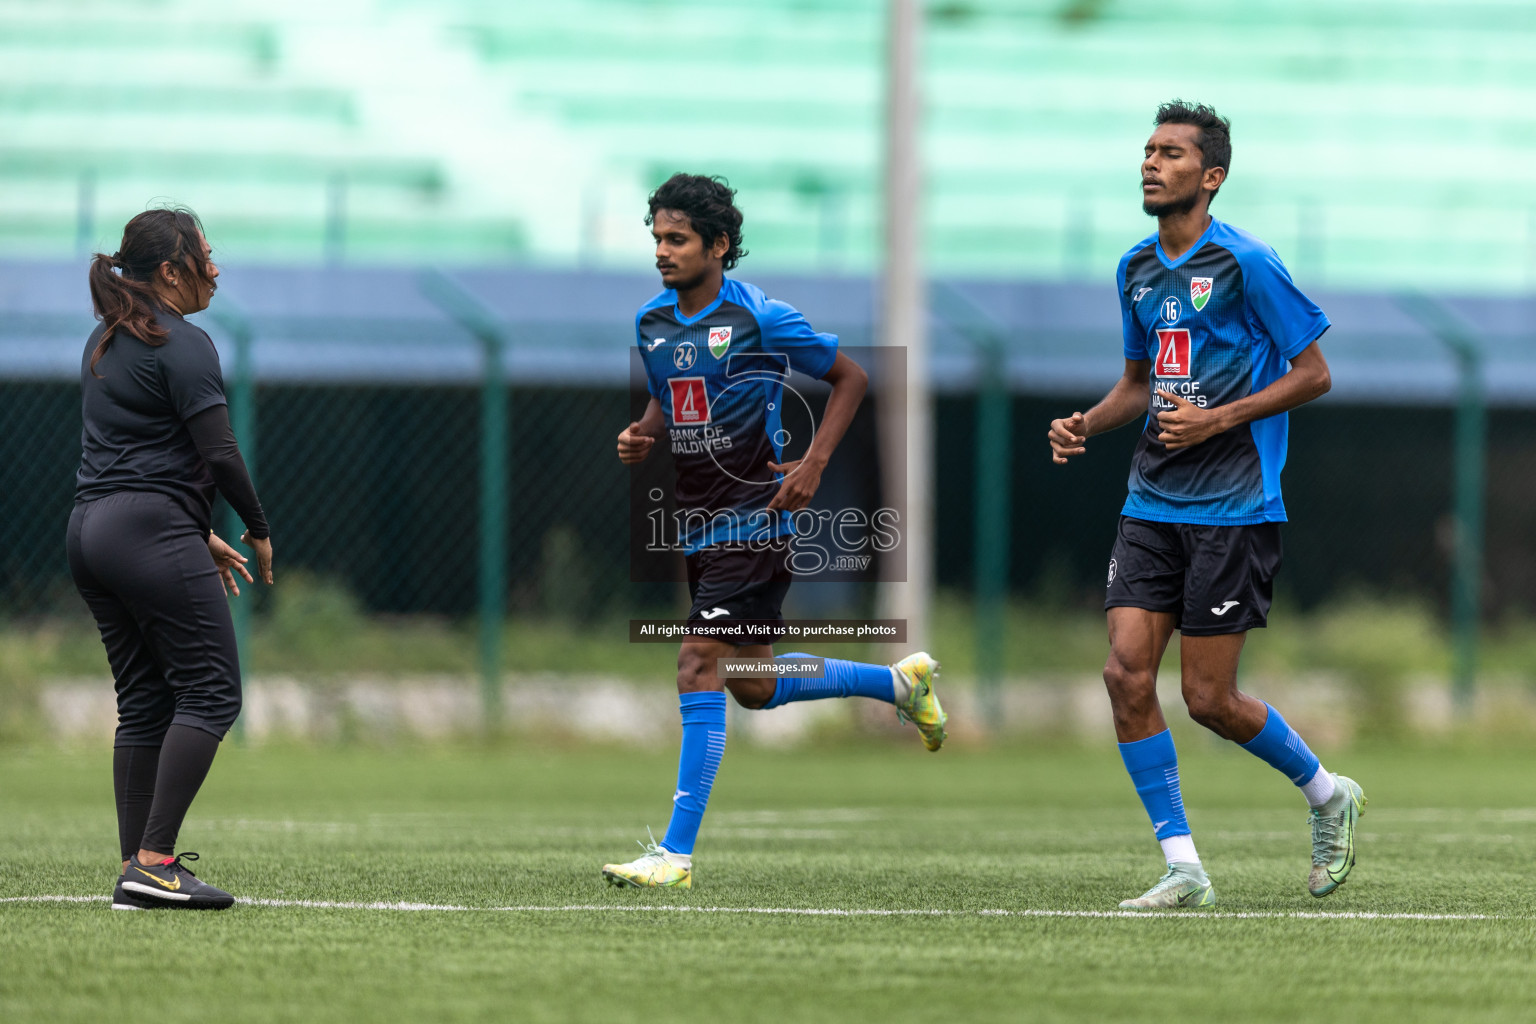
<point>1219,323</point>
<point>720,378</point>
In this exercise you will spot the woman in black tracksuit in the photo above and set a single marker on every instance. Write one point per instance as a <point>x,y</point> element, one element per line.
<point>156,444</point>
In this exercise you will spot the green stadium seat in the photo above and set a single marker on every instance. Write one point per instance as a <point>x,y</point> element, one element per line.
<point>1034,113</point>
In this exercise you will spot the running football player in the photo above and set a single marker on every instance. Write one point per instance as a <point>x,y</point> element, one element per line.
<point>1222,344</point>
<point>716,353</point>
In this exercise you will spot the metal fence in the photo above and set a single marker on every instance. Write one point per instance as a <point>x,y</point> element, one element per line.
<point>450,458</point>
<point>39,452</point>
<point>375,487</point>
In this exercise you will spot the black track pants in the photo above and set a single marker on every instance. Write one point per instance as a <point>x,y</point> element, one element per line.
<point>143,567</point>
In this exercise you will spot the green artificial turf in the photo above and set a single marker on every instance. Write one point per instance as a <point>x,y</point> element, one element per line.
<point>860,827</point>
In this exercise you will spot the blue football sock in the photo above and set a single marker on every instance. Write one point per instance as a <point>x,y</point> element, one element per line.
<point>1154,768</point>
<point>842,679</point>
<point>697,763</point>
<point>1278,745</point>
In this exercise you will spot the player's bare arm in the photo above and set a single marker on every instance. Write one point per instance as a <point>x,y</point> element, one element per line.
<point>1186,424</point>
<point>637,439</point>
<point>1125,401</point>
<point>803,476</point>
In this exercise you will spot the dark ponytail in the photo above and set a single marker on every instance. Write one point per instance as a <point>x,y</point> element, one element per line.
<point>122,290</point>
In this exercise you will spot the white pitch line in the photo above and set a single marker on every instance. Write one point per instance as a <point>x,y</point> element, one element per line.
<point>1305,915</point>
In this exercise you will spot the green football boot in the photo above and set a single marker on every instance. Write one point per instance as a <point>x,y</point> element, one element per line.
<point>1184,887</point>
<point>1333,837</point>
<point>921,707</point>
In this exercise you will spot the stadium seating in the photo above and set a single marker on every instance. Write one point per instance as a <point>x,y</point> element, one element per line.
<point>105,108</point>
<point>1376,145</point>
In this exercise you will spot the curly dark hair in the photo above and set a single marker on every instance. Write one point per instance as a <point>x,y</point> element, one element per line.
<point>709,203</point>
<point>1215,132</point>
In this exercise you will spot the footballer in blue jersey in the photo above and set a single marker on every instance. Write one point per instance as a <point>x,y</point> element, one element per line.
<point>718,379</point>
<point>1220,345</point>
<point>717,353</point>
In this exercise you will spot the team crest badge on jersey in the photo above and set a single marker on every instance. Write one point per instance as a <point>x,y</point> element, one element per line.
<point>719,341</point>
<point>1200,291</point>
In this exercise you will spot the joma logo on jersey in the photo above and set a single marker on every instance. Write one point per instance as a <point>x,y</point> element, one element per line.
<point>719,341</point>
<point>1200,291</point>
<point>690,402</point>
<point>1172,352</point>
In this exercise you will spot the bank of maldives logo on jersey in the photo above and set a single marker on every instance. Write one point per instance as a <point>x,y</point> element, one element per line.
<point>719,341</point>
<point>1173,352</point>
<point>690,401</point>
<point>1200,291</point>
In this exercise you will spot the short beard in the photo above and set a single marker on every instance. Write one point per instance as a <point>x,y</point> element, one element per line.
<point>691,283</point>
<point>1171,207</point>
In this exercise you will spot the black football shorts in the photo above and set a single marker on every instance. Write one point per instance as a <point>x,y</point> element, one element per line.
<point>1215,579</point>
<point>734,584</point>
